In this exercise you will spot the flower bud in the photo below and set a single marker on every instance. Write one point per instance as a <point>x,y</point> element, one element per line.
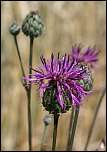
<point>14,29</point>
<point>87,81</point>
<point>47,119</point>
<point>32,25</point>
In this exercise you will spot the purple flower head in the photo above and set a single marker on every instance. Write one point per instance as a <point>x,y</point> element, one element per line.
<point>89,55</point>
<point>62,82</point>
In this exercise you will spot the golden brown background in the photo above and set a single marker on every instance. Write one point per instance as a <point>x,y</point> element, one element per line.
<point>66,23</point>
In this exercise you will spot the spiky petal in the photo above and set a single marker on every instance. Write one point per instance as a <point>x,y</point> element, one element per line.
<point>59,82</point>
<point>88,55</point>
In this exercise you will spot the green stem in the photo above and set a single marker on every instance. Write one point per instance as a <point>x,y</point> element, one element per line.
<point>70,128</point>
<point>18,52</point>
<point>73,128</point>
<point>56,116</point>
<point>94,119</point>
<point>28,90</point>
<point>20,61</point>
<point>29,97</point>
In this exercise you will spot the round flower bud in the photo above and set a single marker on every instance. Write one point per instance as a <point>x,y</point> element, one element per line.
<point>32,25</point>
<point>47,119</point>
<point>87,81</point>
<point>14,29</point>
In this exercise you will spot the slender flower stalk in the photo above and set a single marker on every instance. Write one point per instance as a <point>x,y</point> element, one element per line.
<point>56,117</point>
<point>18,52</point>
<point>43,137</point>
<point>33,27</point>
<point>14,30</point>
<point>47,120</point>
<point>29,97</point>
<point>73,128</point>
<point>94,119</point>
<point>70,128</point>
<point>27,91</point>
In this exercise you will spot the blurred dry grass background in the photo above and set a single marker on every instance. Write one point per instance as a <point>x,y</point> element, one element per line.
<point>66,23</point>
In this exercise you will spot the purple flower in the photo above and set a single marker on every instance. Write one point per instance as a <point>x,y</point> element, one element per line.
<point>62,82</point>
<point>89,55</point>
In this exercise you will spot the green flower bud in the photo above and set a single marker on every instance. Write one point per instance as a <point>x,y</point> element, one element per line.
<point>87,81</point>
<point>14,29</point>
<point>32,25</point>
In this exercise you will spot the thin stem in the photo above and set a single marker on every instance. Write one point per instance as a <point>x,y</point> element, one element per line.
<point>73,128</point>
<point>29,97</point>
<point>56,116</point>
<point>94,119</point>
<point>24,83</point>
<point>70,128</point>
<point>18,52</point>
<point>28,90</point>
<point>43,137</point>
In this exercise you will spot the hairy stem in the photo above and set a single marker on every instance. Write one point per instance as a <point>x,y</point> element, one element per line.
<point>73,129</point>
<point>94,119</point>
<point>70,128</point>
<point>56,116</point>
